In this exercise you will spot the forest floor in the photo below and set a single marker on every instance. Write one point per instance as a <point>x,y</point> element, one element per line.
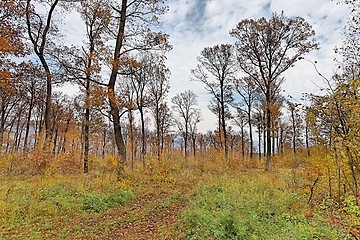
<point>172,202</point>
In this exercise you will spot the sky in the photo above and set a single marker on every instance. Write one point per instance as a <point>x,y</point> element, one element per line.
<point>196,24</point>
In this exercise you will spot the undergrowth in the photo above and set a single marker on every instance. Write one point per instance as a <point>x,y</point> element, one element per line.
<point>252,207</point>
<point>26,203</point>
<point>216,200</point>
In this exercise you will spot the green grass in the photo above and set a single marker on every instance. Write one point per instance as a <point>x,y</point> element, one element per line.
<point>214,204</point>
<point>42,203</point>
<point>252,207</point>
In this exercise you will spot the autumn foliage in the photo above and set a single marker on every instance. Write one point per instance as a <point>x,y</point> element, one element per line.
<point>119,140</point>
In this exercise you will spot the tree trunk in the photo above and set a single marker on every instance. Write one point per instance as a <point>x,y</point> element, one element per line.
<point>250,132</point>
<point>143,137</point>
<point>114,109</point>
<point>307,138</point>
<point>294,130</point>
<point>28,119</point>
<point>259,138</point>
<point>186,140</point>
<point>242,143</point>
<point>268,132</point>
<point>223,124</point>
<point>87,127</point>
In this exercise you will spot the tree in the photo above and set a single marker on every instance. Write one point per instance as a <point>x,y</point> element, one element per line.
<point>33,88</point>
<point>131,31</point>
<point>196,118</point>
<point>184,105</point>
<point>219,61</point>
<point>247,90</point>
<point>350,48</point>
<point>39,29</point>
<point>142,73</point>
<point>82,65</point>
<point>158,89</point>
<point>266,49</point>
<point>295,123</point>
<point>241,119</point>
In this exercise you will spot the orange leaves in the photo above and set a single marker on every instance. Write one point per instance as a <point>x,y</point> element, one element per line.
<point>10,28</point>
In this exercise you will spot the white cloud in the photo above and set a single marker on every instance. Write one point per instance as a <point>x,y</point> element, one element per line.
<point>220,16</point>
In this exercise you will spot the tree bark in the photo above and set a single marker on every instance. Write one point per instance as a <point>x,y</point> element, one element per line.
<point>114,109</point>
<point>268,131</point>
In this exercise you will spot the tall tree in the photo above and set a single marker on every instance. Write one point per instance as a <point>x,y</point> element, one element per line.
<point>82,65</point>
<point>140,79</point>
<point>158,89</point>
<point>132,31</point>
<point>39,29</point>
<point>266,49</point>
<point>184,105</point>
<point>219,61</point>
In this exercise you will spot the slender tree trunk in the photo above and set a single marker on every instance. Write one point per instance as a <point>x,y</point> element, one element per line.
<point>28,119</point>
<point>186,140</point>
<point>55,141</point>
<point>2,126</point>
<point>131,138</point>
<point>17,133</point>
<point>143,137</point>
<point>250,133</point>
<point>114,109</point>
<point>223,123</point>
<point>62,148</point>
<point>104,143</point>
<point>294,130</point>
<point>158,140</point>
<point>273,140</point>
<point>242,143</point>
<point>87,127</point>
<point>194,144</point>
<point>259,138</point>
<point>264,142</point>
<point>307,138</point>
<point>268,131</point>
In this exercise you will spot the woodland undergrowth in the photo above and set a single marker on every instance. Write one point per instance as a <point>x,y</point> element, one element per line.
<point>43,197</point>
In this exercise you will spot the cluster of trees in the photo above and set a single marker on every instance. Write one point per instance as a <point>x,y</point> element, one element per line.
<point>264,49</point>
<point>120,69</point>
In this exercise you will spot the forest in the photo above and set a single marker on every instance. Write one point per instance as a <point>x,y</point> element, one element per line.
<point>122,160</point>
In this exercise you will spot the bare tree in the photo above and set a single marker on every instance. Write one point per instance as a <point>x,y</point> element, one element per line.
<point>247,90</point>
<point>158,89</point>
<point>219,61</point>
<point>184,105</point>
<point>266,49</point>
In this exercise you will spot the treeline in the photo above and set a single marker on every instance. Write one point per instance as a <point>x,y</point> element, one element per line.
<point>123,108</point>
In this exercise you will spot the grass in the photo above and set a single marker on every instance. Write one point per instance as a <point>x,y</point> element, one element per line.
<point>39,203</point>
<point>252,207</point>
<point>171,200</point>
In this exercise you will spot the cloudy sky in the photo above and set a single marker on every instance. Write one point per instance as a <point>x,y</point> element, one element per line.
<point>195,24</point>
